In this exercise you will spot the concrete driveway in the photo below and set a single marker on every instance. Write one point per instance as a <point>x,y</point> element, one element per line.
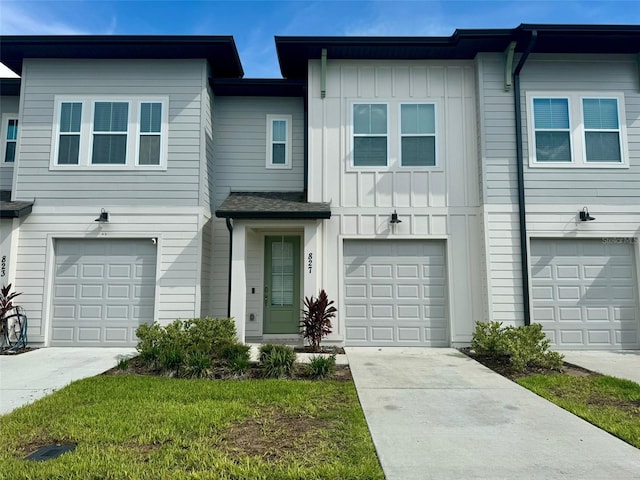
<point>29,376</point>
<point>437,414</point>
<point>621,364</point>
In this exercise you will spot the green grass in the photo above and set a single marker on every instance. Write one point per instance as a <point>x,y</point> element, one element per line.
<point>137,427</point>
<point>609,403</point>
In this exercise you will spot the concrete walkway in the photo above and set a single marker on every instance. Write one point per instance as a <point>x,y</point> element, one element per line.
<point>29,376</point>
<point>437,414</point>
<point>621,364</point>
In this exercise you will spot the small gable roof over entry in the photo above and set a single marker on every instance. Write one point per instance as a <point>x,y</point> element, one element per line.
<point>272,205</point>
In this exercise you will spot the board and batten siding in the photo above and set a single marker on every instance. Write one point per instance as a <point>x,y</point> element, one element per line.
<point>433,203</point>
<point>8,105</point>
<point>181,81</point>
<point>240,150</point>
<point>178,265</point>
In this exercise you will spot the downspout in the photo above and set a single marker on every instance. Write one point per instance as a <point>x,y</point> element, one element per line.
<point>524,251</point>
<point>230,228</point>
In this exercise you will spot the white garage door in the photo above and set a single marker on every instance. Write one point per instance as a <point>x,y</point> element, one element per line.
<point>584,293</point>
<point>103,290</point>
<point>394,293</point>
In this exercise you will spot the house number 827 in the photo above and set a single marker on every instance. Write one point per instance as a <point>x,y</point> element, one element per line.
<point>310,261</point>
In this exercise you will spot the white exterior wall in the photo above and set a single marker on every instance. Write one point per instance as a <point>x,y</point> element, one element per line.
<point>178,268</point>
<point>434,203</point>
<point>553,195</point>
<point>8,105</point>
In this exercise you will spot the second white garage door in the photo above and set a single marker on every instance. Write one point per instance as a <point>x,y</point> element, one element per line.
<point>394,293</point>
<point>103,290</point>
<point>584,292</point>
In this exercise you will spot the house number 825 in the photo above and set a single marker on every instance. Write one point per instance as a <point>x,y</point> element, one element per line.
<point>310,261</point>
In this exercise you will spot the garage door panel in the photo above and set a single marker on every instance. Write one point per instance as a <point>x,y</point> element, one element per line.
<point>394,293</point>
<point>590,296</point>
<point>103,291</point>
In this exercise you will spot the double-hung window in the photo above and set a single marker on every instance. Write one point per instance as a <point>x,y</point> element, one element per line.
<point>417,135</point>
<point>108,133</point>
<point>576,129</point>
<point>278,141</point>
<point>370,135</point>
<point>9,137</point>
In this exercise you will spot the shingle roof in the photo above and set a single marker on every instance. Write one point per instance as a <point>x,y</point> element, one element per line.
<point>275,205</point>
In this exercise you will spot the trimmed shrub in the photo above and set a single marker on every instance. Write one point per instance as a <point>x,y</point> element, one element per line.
<point>526,345</point>
<point>321,366</point>
<point>277,360</point>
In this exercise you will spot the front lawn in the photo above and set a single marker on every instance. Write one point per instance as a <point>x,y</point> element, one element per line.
<point>610,403</point>
<point>139,427</point>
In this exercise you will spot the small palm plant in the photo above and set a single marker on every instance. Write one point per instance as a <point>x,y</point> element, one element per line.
<point>316,319</point>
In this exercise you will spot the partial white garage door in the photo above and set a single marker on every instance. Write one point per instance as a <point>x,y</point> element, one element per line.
<point>103,290</point>
<point>394,293</point>
<point>584,293</point>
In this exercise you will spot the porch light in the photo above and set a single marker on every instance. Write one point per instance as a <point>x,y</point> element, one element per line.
<point>394,218</point>
<point>103,217</point>
<point>584,215</point>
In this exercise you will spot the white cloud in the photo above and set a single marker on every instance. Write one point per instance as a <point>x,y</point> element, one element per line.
<point>16,20</point>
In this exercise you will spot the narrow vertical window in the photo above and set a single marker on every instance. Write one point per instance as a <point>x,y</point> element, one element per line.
<point>551,129</point>
<point>69,141</point>
<point>150,133</point>
<point>278,141</point>
<point>110,123</point>
<point>601,130</point>
<point>369,135</point>
<point>418,135</point>
<point>11,139</point>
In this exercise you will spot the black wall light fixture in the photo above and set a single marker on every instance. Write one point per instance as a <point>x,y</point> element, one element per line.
<point>394,218</point>
<point>103,217</point>
<point>584,215</point>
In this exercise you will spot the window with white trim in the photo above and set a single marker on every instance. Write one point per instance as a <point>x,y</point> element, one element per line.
<point>576,130</point>
<point>9,137</point>
<point>106,133</point>
<point>370,135</point>
<point>417,135</point>
<point>278,141</point>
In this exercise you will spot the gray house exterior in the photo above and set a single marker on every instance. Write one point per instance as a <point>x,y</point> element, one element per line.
<point>424,182</point>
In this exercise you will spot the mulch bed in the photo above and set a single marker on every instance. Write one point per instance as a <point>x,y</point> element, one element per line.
<point>501,365</point>
<point>219,372</point>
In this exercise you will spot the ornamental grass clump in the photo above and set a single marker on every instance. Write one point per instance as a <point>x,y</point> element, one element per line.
<point>316,319</point>
<point>321,367</point>
<point>277,360</point>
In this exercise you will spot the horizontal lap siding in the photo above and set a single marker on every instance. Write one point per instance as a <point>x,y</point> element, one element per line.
<point>7,105</point>
<point>178,258</point>
<point>240,149</point>
<point>591,74</point>
<point>180,81</point>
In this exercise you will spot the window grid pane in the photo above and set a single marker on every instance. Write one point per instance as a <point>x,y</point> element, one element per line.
<point>551,113</point>
<point>109,149</point>
<point>150,117</point>
<point>149,150</point>
<point>279,131</point>
<point>69,150</point>
<point>602,147</point>
<point>278,154</point>
<point>418,151</point>
<point>370,135</point>
<point>600,113</point>
<point>70,117</point>
<point>12,129</point>
<point>111,117</point>
<point>10,152</point>
<point>553,147</point>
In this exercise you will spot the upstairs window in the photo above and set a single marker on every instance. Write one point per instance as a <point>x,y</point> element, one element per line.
<point>601,130</point>
<point>278,141</point>
<point>69,141</point>
<point>577,130</point>
<point>110,125</point>
<point>110,134</point>
<point>552,131</point>
<point>10,137</point>
<point>370,135</point>
<point>150,133</point>
<point>417,135</point>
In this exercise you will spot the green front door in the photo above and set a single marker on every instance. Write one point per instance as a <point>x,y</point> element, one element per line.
<point>281,284</point>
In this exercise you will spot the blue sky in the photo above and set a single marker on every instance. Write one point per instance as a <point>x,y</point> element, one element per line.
<point>254,23</point>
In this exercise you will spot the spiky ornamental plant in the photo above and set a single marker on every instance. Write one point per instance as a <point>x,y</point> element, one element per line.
<point>6,300</point>
<point>316,319</point>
